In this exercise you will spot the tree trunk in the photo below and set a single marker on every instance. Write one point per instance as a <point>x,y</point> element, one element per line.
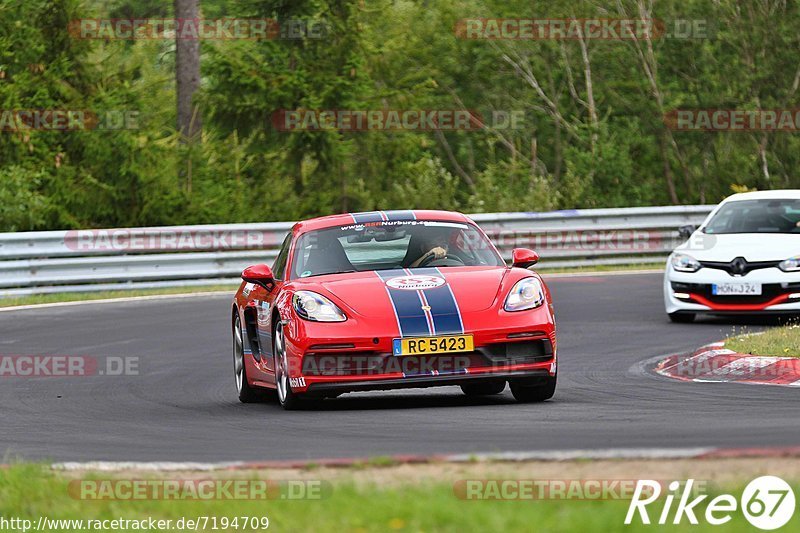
<point>187,71</point>
<point>673,195</point>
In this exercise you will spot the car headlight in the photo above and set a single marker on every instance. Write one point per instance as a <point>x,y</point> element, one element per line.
<point>315,307</point>
<point>685,263</point>
<point>526,294</point>
<point>790,265</point>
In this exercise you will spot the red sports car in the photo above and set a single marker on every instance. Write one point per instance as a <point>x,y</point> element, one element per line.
<point>392,299</point>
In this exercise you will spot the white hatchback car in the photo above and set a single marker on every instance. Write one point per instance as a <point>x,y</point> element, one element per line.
<point>743,259</point>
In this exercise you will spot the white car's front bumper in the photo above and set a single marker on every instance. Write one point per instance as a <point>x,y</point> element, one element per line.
<point>781,292</point>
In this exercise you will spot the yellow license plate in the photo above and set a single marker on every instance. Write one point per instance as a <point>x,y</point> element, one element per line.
<point>433,345</point>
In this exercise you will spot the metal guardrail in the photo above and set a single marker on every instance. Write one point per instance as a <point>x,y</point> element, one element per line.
<point>128,258</point>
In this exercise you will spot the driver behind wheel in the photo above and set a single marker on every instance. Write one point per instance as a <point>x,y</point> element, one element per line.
<point>432,248</point>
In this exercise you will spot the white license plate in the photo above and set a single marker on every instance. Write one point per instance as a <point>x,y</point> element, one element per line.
<point>737,289</point>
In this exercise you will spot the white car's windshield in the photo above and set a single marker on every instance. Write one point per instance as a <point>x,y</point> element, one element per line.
<point>388,245</point>
<point>757,216</point>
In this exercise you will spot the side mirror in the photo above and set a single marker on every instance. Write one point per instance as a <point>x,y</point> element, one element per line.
<point>259,274</point>
<point>524,258</point>
<point>686,231</point>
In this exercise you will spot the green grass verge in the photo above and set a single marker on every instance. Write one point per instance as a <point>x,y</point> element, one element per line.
<point>783,341</point>
<point>603,268</point>
<point>29,492</point>
<point>105,295</point>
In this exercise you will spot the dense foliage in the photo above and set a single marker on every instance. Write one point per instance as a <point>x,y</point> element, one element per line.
<point>593,133</point>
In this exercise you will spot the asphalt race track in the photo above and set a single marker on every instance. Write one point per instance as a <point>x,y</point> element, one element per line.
<point>182,406</point>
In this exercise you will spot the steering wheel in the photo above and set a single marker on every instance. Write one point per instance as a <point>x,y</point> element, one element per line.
<point>431,258</point>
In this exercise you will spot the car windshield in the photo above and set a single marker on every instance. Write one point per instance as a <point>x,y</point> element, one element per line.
<point>389,245</point>
<point>757,216</point>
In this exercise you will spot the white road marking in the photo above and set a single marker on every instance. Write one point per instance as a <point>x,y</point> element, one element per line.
<point>118,300</point>
<point>544,274</point>
<point>571,455</point>
<point>545,455</point>
<point>113,466</point>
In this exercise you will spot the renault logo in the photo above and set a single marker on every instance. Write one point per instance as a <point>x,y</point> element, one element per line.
<point>739,266</point>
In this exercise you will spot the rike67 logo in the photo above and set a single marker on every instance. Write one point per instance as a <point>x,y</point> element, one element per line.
<point>767,502</point>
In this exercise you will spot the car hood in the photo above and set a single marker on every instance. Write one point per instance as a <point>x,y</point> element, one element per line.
<point>368,293</point>
<point>751,246</point>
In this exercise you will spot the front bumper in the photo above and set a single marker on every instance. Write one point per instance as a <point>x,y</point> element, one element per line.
<point>412,372</point>
<point>781,292</point>
<point>357,354</point>
<point>532,376</point>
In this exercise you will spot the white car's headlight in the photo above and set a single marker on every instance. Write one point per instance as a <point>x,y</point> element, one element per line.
<point>526,294</point>
<point>317,308</point>
<point>685,263</point>
<point>790,265</point>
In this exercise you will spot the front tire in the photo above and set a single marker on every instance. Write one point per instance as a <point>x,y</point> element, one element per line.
<point>247,394</point>
<point>483,389</point>
<point>682,318</point>
<point>525,393</point>
<point>286,397</point>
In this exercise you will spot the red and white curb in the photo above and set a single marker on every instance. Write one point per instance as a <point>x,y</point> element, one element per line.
<point>396,460</point>
<point>715,363</point>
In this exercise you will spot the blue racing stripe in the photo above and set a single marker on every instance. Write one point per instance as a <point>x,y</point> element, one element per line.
<point>410,316</point>
<point>409,312</point>
<point>408,308</point>
<point>363,218</point>
<point>400,216</point>
<point>444,308</point>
